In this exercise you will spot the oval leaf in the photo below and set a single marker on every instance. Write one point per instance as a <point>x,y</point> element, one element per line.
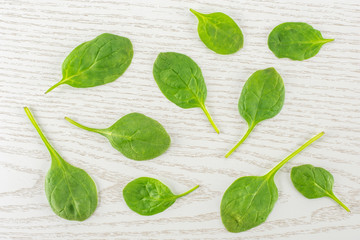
<point>262,97</point>
<point>219,32</point>
<point>135,135</point>
<point>97,62</point>
<point>148,196</point>
<point>314,182</point>
<point>247,203</point>
<point>139,137</point>
<point>181,81</point>
<point>70,190</point>
<point>295,40</point>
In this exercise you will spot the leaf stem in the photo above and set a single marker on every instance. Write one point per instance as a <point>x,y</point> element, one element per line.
<point>197,14</point>
<point>52,151</point>
<point>282,163</point>
<point>329,40</point>
<point>101,131</point>
<point>34,123</point>
<point>338,201</point>
<point>241,140</point>
<point>209,117</point>
<point>56,85</point>
<point>186,193</point>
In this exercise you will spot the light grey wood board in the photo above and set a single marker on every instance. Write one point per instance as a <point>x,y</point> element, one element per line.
<point>322,94</point>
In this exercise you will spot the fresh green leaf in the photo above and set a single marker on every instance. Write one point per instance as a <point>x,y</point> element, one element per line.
<point>249,200</point>
<point>314,182</point>
<point>219,32</point>
<point>295,40</point>
<point>96,62</point>
<point>135,135</point>
<point>262,97</point>
<point>70,190</point>
<point>149,196</point>
<point>181,81</point>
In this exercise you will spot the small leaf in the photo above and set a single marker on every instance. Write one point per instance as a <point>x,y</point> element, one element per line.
<point>149,196</point>
<point>314,182</point>
<point>249,200</point>
<point>219,32</point>
<point>295,40</point>
<point>70,190</point>
<point>135,135</point>
<point>181,81</point>
<point>262,97</point>
<point>96,62</point>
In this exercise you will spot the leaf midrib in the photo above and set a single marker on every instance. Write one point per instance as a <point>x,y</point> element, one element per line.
<point>95,61</point>
<point>250,204</point>
<point>186,85</point>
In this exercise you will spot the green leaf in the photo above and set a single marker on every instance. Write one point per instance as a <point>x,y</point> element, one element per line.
<point>70,190</point>
<point>249,200</point>
<point>96,62</point>
<point>295,40</point>
<point>262,97</point>
<point>149,196</point>
<point>219,32</point>
<point>181,81</point>
<point>135,135</point>
<point>314,182</point>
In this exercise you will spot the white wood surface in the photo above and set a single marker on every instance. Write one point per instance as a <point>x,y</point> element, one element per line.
<point>322,94</point>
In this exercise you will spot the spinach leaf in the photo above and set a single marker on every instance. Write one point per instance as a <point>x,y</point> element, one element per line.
<point>262,97</point>
<point>295,40</point>
<point>96,62</point>
<point>314,182</point>
<point>181,81</point>
<point>148,196</point>
<point>219,32</point>
<point>135,135</point>
<point>249,200</point>
<point>70,190</point>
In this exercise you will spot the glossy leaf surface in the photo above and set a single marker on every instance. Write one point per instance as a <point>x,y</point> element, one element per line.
<point>70,190</point>
<point>96,62</point>
<point>295,40</point>
<point>148,196</point>
<point>314,182</point>
<point>135,135</point>
<point>249,200</point>
<point>219,32</point>
<point>181,81</point>
<point>262,97</point>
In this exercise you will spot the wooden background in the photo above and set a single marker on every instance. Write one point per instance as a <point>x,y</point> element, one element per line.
<point>322,94</point>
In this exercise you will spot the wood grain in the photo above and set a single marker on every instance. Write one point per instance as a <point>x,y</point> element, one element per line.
<point>322,93</point>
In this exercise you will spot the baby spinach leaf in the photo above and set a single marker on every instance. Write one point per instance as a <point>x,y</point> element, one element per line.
<point>219,32</point>
<point>262,97</point>
<point>249,200</point>
<point>295,40</point>
<point>135,135</point>
<point>314,182</point>
<point>181,81</point>
<point>96,62</point>
<point>148,196</point>
<point>70,190</point>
